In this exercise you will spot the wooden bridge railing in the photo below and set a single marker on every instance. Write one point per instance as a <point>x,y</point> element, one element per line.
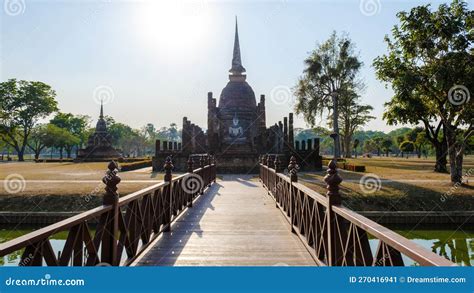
<point>125,225</point>
<point>333,234</point>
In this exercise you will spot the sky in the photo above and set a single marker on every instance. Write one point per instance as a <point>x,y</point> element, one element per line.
<point>155,61</point>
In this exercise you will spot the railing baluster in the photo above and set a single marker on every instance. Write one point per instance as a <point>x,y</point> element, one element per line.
<point>109,241</point>
<point>167,203</point>
<point>293,171</point>
<point>333,180</point>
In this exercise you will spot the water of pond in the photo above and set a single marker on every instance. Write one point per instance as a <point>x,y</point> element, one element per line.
<point>455,244</point>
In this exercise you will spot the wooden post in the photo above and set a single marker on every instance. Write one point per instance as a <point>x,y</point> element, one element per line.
<point>270,163</point>
<point>333,180</point>
<point>285,135</point>
<point>201,161</point>
<point>208,172</point>
<point>277,189</point>
<point>190,165</point>
<point>293,172</point>
<point>277,164</point>
<point>167,193</point>
<point>190,170</point>
<point>109,241</point>
<point>214,168</point>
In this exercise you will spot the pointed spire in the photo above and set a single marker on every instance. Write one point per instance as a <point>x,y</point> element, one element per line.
<point>101,110</point>
<point>237,68</point>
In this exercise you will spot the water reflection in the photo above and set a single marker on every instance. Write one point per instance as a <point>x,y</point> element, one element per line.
<point>456,244</point>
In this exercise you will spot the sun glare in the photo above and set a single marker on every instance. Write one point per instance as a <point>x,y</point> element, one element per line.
<point>171,25</point>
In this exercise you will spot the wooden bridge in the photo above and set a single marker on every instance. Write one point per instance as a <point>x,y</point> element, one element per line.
<point>199,219</point>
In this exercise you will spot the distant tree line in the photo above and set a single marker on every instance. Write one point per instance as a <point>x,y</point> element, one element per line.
<point>25,104</point>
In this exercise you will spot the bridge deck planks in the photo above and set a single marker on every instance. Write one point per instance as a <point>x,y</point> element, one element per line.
<point>234,223</point>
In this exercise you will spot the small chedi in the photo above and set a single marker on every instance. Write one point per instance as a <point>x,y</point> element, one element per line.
<point>237,134</point>
<point>99,147</point>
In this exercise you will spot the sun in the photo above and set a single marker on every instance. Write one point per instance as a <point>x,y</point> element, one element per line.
<point>172,24</point>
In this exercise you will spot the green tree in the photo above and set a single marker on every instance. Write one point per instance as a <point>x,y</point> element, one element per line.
<point>377,141</point>
<point>352,116</point>
<point>330,71</point>
<point>400,139</point>
<point>407,147</point>
<point>429,56</point>
<point>75,125</point>
<point>370,146</point>
<point>59,138</point>
<point>38,139</point>
<point>387,144</point>
<point>355,145</point>
<point>22,104</point>
<point>420,143</point>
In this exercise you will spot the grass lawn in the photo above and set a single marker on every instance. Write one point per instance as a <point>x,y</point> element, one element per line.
<point>406,185</point>
<point>65,186</point>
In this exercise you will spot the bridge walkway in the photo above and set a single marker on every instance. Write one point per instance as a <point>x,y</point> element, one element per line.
<point>235,223</point>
